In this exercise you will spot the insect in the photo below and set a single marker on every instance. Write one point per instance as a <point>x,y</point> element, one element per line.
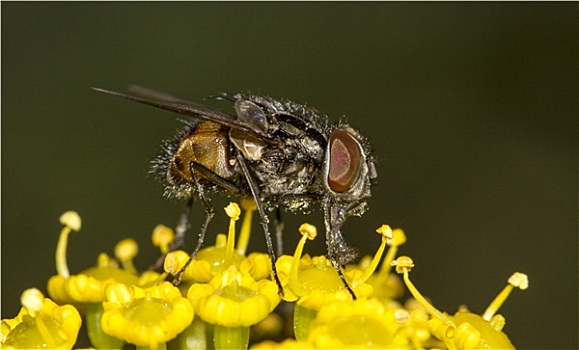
<point>284,155</point>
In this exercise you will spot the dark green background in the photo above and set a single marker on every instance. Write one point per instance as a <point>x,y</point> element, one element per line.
<point>471,109</point>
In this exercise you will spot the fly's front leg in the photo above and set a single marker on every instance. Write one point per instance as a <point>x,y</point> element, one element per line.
<point>264,219</point>
<point>278,222</point>
<point>334,240</point>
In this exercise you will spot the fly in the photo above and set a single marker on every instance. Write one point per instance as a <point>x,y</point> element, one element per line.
<point>284,155</point>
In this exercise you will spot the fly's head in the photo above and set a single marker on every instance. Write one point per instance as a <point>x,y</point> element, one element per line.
<point>348,173</point>
<point>348,166</point>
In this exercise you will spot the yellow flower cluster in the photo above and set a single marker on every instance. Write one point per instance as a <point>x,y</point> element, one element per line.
<point>227,299</point>
<point>41,322</point>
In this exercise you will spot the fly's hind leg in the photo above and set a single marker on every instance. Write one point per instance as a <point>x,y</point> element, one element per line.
<point>180,230</point>
<point>209,211</point>
<point>278,232</point>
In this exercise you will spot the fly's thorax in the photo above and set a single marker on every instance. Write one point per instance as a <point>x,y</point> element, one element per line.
<point>249,145</point>
<point>290,168</point>
<point>285,152</point>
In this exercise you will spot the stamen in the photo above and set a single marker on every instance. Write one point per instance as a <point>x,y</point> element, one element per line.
<point>162,237</point>
<point>403,265</point>
<point>72,222</point>
<point>248,204</point>
<point>519,280</point>
<point>308,232</point>
<point>233,212</point>
<point>125,251</point>
<point>397,239</point>
<point>386,233</point>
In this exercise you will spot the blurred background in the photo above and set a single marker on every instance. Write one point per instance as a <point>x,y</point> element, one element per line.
<point>471,109</point>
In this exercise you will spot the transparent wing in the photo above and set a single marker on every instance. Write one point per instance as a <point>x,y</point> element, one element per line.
<point>181,106</point>
<point>161,96</point>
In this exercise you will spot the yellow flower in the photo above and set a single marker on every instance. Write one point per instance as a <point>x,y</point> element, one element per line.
<point>232,302</point>
<point>208,262</point>
<point>234,299</point>
<point>414,322</point>
<point>465,330</point>
<point>145,316</point>
<point>230,293</point>
<point>386,285</point>
<point>214,260</point>
<point>361,323</point>
<point>41,324</point>
<point>88,285</point>
<point>313,282</point>
<point>85,290</point>
<point>286,344</point>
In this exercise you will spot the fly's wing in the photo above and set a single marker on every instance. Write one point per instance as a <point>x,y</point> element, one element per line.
<point>161,96</point>
<point>248,113</point>
<point>191,109</point>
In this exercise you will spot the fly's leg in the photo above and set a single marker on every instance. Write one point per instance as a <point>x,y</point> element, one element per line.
<point>278,223</point>
<point>183,224</point>
<point>264,219</point>
<point>180,230</point>
<point>333,222</point>
<point>209,213</point>
<point>278,232</point>
<point>341,274</point>
<point>214,178</point>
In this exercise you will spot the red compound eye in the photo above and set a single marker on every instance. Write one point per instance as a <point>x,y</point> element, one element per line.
<point>344,162</point>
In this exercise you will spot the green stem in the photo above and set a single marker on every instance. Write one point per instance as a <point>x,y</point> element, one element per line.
<point>303,317</point>
<point>98,338</point>
<point>158,347</point>
<point>194,337</point>
<point>231,337</point>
